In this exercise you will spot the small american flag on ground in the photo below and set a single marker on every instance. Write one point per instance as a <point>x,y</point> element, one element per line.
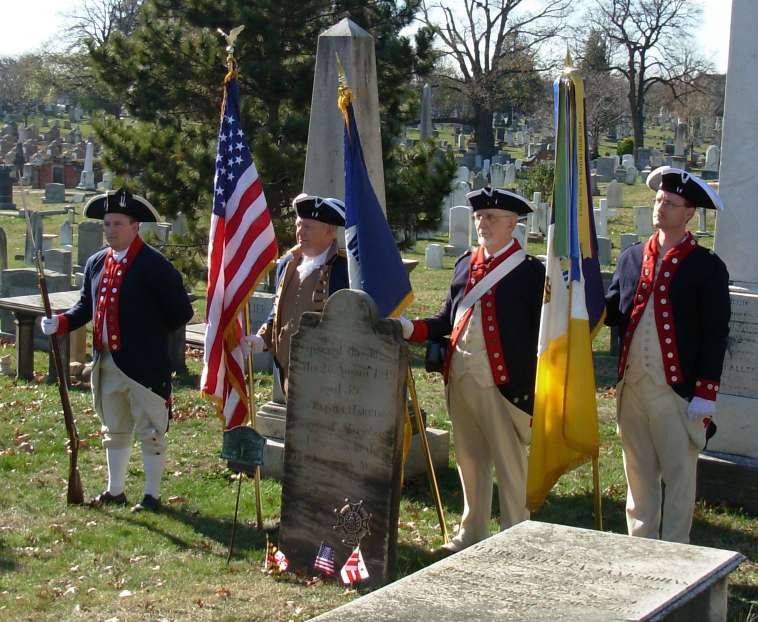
<point>241,249</point>
<point>354,570</point>
<point>325,560</point>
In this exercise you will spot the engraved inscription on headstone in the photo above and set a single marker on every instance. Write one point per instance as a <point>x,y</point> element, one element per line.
<point>344,431</point>
<point>741,361</point>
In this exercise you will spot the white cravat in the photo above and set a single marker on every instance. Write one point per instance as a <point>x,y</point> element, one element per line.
<point>309,264</point>
<point>500,252</point>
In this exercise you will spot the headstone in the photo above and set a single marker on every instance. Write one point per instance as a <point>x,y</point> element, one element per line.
<point>614,195</point>
<point>346,391</point>
<point>260,305</point>
<point>643,157</point>
<point>66,233</point>
<point>735,243</point>
<point>324,158</point>
<point>107,182</point>
<point>594,184</point>
<point>628,239</point>
<point>603,250</point>
<point>460,229</point>
<point>601,222</point>
<point>6,188</point>
<point>461,142</point>
<point>630,177</point>
<point>434,255</point>
<point>462,174</point>
<point>606,168</point>
<point>87,181</point>
<point>55,193</point>
<point>680,139</point>
<point>627,160</point>
<point>702,223</point>
<point>58,261</point>
<point>425,127</point>
<point>497,175</point>
<point>711,166</point>
<point>643,220</point>
<point>179,226</point>
<point>510,175</point>
<point>479,181</point>
<point>90,234</point>
<point>538,571</point>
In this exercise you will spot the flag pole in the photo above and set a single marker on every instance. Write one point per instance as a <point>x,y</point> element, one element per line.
<point>251,412</point>
<point>427,456</point>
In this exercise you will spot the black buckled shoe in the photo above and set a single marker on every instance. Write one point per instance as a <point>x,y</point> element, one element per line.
<point>149,503</point>
<point>106,498</point>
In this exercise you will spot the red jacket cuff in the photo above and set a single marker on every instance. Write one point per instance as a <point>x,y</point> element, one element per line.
<point>62,325</point>
<point>706,389</point>
<point>420,331</point>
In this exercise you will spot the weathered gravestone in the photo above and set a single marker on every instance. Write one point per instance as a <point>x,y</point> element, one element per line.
<point>58,261</point>
<point>87,181</point>
<point>6,188</point>
<point>601,221</point>
<point>460,230</point>
<point>90,234</point>
<point>643,220</point>
<point>434,255</point>
<point>537,571</point>
<point>603,250</point>
<point>344,432</point>
<point>54,193</point>
<point>614,195</point>
<point>628,239</point>
<point>606,168</point>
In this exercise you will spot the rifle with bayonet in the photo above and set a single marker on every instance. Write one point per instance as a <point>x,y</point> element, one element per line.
<point>75,494</point>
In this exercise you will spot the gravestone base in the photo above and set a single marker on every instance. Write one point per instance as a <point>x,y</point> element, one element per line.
<point>728,479</point>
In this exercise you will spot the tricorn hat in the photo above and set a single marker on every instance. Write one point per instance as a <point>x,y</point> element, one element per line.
<point>120,201</point>
<point>325,209</point>
<point>690,187</point>
<point>497,198</point>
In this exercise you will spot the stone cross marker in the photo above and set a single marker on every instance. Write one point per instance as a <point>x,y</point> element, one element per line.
<point>344,432</point>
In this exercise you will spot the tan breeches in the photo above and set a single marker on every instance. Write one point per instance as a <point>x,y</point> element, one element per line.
<point>126,407</point>
<point>488,430</point>
<point>660,445</point>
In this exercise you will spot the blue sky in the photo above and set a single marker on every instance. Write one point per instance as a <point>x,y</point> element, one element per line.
<point>27,24</point>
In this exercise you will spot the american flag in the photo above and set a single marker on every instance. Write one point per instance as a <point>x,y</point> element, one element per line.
<point>354,569</point>
<point>241,249</point>
<point>325,560</point>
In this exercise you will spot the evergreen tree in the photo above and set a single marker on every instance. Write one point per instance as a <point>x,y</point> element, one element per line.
<point>168,73</point>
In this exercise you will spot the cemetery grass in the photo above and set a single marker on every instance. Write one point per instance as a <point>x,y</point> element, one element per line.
<point>59,562</point>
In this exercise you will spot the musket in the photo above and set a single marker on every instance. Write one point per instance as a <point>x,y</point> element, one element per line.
<point>75,494</point>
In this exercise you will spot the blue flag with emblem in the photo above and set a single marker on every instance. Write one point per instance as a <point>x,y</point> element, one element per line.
<point>374,262</point>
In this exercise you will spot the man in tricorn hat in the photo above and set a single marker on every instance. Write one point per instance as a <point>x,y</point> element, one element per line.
<point>135,298</point>
<point>670,299</point>
<point>492,315</point>
<point>305,277</point>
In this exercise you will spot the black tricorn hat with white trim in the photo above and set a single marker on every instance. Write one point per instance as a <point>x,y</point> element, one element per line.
<point>121,201</point>
<point>324,209</point>
<point>690,187</point>
<point>497,198</point>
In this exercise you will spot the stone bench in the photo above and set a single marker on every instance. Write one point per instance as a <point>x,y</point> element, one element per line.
<point>540,571</point>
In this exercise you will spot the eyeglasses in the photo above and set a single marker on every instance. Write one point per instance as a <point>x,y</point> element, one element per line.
<point>488,218</point>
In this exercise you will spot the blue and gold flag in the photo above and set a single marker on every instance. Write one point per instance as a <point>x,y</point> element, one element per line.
<point>374,262</point>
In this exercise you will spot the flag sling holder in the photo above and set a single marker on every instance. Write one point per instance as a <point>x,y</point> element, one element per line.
<point>427,455</point>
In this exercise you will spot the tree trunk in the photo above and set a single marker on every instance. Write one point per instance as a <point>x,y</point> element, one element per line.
<point>638,122</point>
<point>483,132</point>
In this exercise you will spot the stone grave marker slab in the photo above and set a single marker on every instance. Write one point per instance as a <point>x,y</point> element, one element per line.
<point>54,193</point>
<point>344,432</point>
<point>434,255</point>
<point>90,233</point>
<point>643,220</point>
<point>539,571</point>
<point>460,229</point>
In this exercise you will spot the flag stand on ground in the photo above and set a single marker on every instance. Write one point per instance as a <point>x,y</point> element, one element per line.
<point>241,250</point>
<point>373,261</point>
<point>565,428</point>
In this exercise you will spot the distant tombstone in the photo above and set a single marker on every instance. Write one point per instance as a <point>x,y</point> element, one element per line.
<point>606,168</point>
<point>643,157</point>
<point>164,230</point>
<point>3,250</point>
<point>643,220</point>
<point>702,223</point>
<point>87,180</point>
<point>434,255</point>
<point>614,194</point>
<point>478,160</point>
<point>519,233</point>
<point>344,435</point>
<point>179,226</point>
<point>680,140</point>
<point>107,182</point>
<point>6,188</point>
<point>260,305</point>
<point>30,245</point>
<point>712,158</point>
<point>595,189</point>
<point>509,175</point>
<point>601,222</point>
<point>66,233</point>
<point>54,193</point>
<point>630,175</point>
<point>604,250</point>
<point>58,261</point>
<point>462,174</point>
<point>479,181</point>
<point>90,233</point>
<point>486,163</point>
<point>458,196</point>
<point>460,229</point>
<point>497,175</point>
<point>627,160</point>
<point>146,228</point>
<point>628,239</point>
<point>461,142</point>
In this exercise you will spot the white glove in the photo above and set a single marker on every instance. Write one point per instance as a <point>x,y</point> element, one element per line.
<point>700,408</point>
<point>407,326</point>
<point>252,344</point>
<point>49,325</point>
